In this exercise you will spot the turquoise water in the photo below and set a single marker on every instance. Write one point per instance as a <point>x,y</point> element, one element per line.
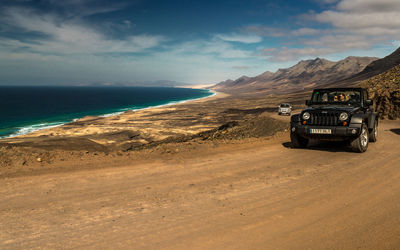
<point>26,109</point>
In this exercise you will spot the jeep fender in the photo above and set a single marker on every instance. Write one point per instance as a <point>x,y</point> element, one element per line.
<point>372,119</point>
<point>356,120</point>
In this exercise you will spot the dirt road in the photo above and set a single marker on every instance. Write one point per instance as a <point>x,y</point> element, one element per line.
<point>259,194</point>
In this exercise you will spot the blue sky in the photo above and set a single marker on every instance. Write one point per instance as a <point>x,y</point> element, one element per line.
<point>78,42</point>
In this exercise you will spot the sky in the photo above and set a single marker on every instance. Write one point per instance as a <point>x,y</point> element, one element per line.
<point>142,42</point>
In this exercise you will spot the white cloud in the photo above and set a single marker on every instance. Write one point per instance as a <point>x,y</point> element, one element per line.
<point>278,32</point>
<point>328,44</point>
<point>215,47</point>
<point>366,17</point>
<point>265,31</point>
<point>241,38</point>
<point>305,32</point>
<point>353,25</point>
<point>83,8</point>
<point>71,37</point>
<point>68,45</point>
<point>363,6</point>
<point>223,50</point>
<point>326,1</point>
<point>359,21</point>
<point>340,42</point>
<point>70,51</point>
<point>291,54</point>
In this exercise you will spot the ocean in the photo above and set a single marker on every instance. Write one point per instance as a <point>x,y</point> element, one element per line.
<point>27,109</point>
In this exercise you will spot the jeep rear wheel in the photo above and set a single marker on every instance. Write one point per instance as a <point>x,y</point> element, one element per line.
<point>373,135</point>
<point>360,144</point>
<point>298,141</point>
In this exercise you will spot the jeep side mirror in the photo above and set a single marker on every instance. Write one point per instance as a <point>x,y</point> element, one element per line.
<point>308,102</point>
<point>369,102</point>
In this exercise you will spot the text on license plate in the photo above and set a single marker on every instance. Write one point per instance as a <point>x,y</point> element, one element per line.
<point>320,131</point>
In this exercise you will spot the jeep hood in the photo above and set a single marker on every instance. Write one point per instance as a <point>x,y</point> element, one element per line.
<point>343,108</point>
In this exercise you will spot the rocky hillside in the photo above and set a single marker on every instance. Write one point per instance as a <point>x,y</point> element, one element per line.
<point>374,68</point>
<point>304,75</point>
<point>385,90</point>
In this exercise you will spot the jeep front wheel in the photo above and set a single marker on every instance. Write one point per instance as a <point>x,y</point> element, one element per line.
<point>360,144</point>
<point>298,141</point>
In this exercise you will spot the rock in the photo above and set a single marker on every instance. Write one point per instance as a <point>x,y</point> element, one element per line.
<point>39,159</point>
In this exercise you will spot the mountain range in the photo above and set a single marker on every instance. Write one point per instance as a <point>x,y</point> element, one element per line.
<point>374,68</point>
<point>308,74</point>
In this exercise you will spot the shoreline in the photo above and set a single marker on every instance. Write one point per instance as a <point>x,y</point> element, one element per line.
<point>36,128</point>
<point>218,116</point>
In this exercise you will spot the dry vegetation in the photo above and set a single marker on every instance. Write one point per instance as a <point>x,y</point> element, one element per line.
<point>385,90</point>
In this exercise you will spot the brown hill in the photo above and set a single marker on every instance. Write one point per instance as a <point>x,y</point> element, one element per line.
<point>385,90</point>
<point>304,75</point>
<point>381,65</point>
<point>374,68</point>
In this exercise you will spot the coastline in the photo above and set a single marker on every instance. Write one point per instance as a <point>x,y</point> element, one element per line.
<point>218,117</point>
<point>35,129</point>
<point>175,122</point>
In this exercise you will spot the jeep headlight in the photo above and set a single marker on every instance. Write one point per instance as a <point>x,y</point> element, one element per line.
<point>343,116</point>
<point>306,115</point>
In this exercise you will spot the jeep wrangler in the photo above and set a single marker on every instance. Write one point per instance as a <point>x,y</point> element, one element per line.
<point>336,114</point>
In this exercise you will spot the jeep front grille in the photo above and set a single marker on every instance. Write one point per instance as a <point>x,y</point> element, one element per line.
<point>324,119</point>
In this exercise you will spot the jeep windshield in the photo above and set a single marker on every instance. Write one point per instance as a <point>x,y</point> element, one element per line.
<point>336,97</point>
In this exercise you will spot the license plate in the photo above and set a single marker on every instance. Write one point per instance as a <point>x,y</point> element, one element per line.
<point>320,131</point>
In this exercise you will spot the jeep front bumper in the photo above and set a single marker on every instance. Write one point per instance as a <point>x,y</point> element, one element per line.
<point>336,132</point>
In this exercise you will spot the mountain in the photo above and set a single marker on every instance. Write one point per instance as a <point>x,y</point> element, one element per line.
<point>374,68</point>
<point>303,75</point>
<point>382,65</point>
<point>385,90</point>
<point>233,83</point>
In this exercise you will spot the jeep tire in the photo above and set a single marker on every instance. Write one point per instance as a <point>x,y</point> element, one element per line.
<point>373,135</point>
<point>360,144</point>
<point>298,141</point>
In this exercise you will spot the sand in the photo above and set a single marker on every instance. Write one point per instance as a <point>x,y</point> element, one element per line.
<point>225,188</point>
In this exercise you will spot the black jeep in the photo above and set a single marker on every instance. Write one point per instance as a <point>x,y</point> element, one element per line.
<point>336,114</point>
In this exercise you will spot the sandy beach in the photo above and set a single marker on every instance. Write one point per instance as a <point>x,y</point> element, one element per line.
<point>112,123</point>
